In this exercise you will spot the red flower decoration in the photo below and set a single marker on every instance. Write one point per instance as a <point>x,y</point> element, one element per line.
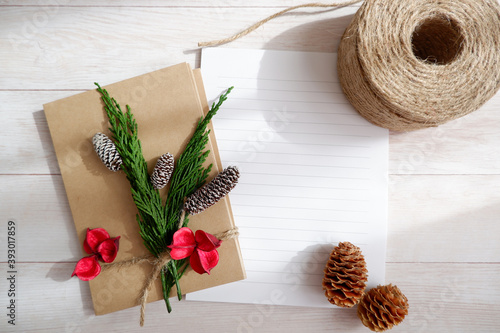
<point>87,268</point>
<point>100,247</point>
<point>202,247</point>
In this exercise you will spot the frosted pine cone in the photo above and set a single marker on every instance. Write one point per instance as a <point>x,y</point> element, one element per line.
<point>162,171</point>
<point>345,275</point>
<point>382,308</point>
<point>107,152</point>
<point>212,192</point>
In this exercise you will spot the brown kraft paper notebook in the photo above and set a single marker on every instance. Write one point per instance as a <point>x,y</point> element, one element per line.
<point>167,105</point>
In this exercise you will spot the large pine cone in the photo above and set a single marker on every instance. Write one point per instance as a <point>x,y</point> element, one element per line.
<point>383,307</point>
<point>106,149</point>
<point>212,192</point>
<point>345,275</point>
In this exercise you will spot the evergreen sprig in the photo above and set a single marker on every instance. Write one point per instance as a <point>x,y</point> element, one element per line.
<point>158,222</point>
<point>151,217</point>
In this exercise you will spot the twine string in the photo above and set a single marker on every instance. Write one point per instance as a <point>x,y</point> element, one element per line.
<point>162,260</point>
<point>269,18</point>
<point>229,234</point>
<point>131,262</point>
<point>182,217</point>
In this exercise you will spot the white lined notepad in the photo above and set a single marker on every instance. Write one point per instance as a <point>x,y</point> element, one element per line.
<point>313,173</point>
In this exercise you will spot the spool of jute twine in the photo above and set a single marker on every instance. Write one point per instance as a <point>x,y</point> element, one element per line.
<point>411,64</point>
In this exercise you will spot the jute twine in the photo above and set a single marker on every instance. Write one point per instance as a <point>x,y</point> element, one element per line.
<point>411,64</point>
<point>158,263</point>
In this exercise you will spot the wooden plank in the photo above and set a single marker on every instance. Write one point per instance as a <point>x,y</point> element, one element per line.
<point>25,140</point>
<point>431,218</point>
<point>451,298</point>
<point>444,297</point>
<point>465,145</point>
<point>444,219</point>
<point>41,48</point>
<point>39,207</point>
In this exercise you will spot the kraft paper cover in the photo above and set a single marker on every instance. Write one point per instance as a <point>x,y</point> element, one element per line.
<point>167,105</point>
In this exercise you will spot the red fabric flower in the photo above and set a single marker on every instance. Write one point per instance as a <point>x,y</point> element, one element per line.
<point>201,247</point>
<point>100,247</point>
<point>87,268</point>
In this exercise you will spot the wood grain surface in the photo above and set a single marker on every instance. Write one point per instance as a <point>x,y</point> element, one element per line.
<point>444,183</point>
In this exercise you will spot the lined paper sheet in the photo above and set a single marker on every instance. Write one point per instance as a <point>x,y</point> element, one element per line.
<point>313,173</point>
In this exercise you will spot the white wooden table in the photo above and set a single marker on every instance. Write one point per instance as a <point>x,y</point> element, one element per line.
<point>444,206</point>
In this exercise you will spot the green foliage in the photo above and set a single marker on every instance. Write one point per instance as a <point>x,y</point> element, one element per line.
<point>158,222</point>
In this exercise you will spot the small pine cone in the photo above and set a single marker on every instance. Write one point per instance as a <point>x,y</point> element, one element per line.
<point>212,192</point>
<point>107,152</point>
<point>382,308</point>
<point>162,171</point>
<point>345,275</point>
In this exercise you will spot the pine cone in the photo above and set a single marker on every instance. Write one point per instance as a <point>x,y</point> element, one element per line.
<point>107,152</point>
<point>345,275</point>
<point>212,192</point>
<point>382,308</point>
<point>162,171</point>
